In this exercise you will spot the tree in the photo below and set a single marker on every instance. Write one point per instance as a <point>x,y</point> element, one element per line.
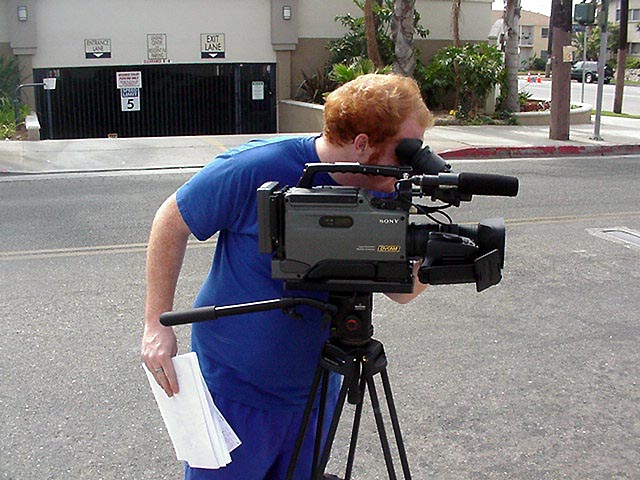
<point>455,22</point>
<point>622,56</point>
<point>370,29</point>
<point>402,30</point>
<point>511,18</point>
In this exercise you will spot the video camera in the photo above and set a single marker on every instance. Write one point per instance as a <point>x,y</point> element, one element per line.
<point>341,238</point>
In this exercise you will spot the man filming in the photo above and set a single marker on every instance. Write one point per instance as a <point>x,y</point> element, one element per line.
<point>259,366</point>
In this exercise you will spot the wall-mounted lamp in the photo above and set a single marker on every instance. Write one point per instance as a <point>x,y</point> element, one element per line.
<point>23,13</point>
<point>286,12</point>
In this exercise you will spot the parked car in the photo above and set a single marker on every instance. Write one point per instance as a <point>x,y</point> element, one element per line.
<point>590,72</point>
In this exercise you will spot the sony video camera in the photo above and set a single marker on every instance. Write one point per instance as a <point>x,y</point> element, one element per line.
<point>340,238</point>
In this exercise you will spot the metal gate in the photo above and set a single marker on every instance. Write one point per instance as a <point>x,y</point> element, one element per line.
<point>174,100</point>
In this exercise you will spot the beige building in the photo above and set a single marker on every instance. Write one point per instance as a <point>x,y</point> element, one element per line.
<point>159,67</point>
<point>533,35</point>
<point>633,25</point>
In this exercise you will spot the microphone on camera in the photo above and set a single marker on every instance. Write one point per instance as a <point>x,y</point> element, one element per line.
<point>488,184</point>
<point>469,184</point>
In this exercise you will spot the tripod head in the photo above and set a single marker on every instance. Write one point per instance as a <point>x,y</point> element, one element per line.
<point>349,314</point>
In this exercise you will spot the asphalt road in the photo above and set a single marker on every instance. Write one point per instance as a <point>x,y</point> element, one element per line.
<point>536,377</point>
<point>630,98</point>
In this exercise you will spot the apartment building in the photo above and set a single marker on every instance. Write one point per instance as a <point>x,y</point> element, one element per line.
<point>633,25</point>
<point>168,67</point>
<point>533,34</point>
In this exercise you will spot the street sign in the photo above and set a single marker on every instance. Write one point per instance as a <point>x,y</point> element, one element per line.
<point>97,48</point>
<point>130,99</point>
<point>212,45</point>
<point>49,83</point>
<point>157,46</point>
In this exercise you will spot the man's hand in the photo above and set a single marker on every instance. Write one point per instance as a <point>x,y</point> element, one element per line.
<point>418,287</point>
<point>159,346</point>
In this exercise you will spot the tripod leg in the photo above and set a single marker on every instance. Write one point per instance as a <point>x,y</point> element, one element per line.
<point>396,424</point>
<point>355,430</point>
<point>319,468</point>
<point>320,423</point>
<point>305,421</point>
<point>375,404</point>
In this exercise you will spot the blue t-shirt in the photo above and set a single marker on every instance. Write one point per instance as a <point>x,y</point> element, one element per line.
<point>265,359</point>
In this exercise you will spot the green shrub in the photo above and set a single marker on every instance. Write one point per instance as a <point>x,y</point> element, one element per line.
<point>342,73</point>
<point>314,87</point>
<point>471,71</point>
<point>633,62</point>
<point>7,117</point>
<point>9,76</point>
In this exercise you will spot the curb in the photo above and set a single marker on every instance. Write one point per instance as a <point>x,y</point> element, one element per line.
<point>540,151</point>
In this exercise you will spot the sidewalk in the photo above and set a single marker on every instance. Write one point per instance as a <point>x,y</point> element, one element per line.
<point>620,136</point>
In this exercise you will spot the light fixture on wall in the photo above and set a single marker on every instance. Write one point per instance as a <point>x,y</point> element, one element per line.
<point>286,12</point>
<point>23,13</point>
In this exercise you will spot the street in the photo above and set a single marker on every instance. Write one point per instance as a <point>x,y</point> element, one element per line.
<point>630,99</point>
<point>535,378</point>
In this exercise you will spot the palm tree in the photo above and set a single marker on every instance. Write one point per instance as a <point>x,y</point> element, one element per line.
<point>455,22</point>
<point>402,29</point>
<point>511,18</point>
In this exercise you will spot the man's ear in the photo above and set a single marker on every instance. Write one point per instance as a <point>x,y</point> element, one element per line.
<point>361,143</point>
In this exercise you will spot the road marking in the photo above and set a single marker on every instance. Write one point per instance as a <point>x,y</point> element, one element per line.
<point>570,218</point>
<point>84,251</point>
<point>142,247</point>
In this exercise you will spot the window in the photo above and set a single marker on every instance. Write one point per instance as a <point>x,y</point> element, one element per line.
<point>634,48</point>
<point>634,15</point>
<point>545,32</point>
<point>526,35</point>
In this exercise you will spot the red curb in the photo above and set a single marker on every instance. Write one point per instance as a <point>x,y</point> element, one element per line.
<point>540,151</point>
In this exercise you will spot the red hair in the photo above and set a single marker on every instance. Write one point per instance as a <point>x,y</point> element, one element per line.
<point>373,104</point>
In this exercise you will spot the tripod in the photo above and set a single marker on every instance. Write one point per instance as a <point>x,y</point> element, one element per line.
<point>353,354</point>
<point>350,352</point>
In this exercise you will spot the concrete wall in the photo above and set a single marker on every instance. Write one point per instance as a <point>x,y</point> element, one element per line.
<point>299,117</point>
<point>245,24</point>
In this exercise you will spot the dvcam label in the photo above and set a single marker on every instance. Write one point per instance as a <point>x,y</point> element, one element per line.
<point>388,248</point>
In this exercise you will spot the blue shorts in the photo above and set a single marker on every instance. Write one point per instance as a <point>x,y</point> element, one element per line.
<point>268,440</point>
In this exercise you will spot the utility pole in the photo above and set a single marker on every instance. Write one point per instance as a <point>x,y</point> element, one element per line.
<point>561,67</point>
<point>622,55</point>
<point>603,20</point>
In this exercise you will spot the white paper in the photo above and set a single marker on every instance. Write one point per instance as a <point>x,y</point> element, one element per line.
<point>200,434</point>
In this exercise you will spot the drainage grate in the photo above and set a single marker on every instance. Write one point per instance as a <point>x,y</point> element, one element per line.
<point>622,235</point>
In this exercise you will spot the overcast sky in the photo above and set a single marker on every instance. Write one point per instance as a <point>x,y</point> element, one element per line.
<point>539,6</point>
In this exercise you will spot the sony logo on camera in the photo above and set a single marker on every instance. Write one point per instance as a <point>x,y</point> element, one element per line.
<point>387,221</point>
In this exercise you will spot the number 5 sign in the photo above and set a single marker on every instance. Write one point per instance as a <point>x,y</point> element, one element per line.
<point>130,99</point>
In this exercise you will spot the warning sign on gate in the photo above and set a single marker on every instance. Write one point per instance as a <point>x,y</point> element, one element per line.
<point>129,79</point>
<point>212,45</point>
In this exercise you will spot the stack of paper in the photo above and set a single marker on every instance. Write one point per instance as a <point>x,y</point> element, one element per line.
<point>199,433</point>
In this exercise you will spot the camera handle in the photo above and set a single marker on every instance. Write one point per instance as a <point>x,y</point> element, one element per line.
<point>203,314</point>
<point>310,170</point>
